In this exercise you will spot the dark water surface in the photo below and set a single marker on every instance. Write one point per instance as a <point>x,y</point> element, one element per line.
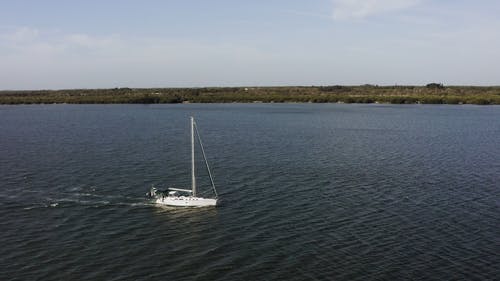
<point>308,192</point>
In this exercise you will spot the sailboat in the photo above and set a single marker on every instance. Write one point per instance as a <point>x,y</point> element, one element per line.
<point>187,197</point>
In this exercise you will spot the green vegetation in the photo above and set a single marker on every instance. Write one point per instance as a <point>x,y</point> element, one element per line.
<point>432,93</point>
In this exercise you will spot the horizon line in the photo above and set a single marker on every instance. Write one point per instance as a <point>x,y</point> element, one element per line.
<point>249,86</point>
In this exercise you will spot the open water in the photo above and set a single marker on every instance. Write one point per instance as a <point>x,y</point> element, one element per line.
<point>307,192</point>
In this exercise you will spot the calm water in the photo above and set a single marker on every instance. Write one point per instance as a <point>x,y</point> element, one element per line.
<point>308,192</point>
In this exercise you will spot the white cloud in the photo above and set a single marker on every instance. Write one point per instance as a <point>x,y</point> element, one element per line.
<point>34,59</point>
<point>24,42</point>
<point>20,34</point>
<point>360,9</point>
<point>54,59</point>
<point>88,41</point>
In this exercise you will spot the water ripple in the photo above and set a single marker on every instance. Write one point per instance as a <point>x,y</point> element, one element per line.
<point>342,192</point>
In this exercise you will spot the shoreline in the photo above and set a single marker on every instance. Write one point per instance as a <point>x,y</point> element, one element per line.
<point>367,94</point>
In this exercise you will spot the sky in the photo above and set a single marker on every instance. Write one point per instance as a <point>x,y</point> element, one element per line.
<point>69,44</point>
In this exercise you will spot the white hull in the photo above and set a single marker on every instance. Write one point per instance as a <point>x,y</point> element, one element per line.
<point>187,201</point>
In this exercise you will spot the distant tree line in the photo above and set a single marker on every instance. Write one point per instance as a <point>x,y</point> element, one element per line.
<point>432,93</point>
<point>434,86</point>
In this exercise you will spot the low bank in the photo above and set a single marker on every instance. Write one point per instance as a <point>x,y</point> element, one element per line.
<point>430,94</point>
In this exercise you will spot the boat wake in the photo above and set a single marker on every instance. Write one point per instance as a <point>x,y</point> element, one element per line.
<point>41,205</point>
<point>70,200</point>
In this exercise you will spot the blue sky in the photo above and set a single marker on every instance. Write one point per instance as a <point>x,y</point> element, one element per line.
<point>102,44</point>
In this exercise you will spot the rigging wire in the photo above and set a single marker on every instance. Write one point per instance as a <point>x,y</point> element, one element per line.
<point>205,158</point>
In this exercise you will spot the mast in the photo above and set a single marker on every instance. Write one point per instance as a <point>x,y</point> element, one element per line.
<point>193,178</point>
